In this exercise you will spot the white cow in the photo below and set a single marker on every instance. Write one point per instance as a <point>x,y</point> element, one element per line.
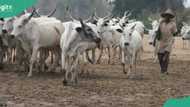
<point>152,38</point>
<point>185,32</point>
<point>77,38</point>
<point>11,42</point>
<point>110,35</point>
<point>131,43</point>
<point>37,33</point>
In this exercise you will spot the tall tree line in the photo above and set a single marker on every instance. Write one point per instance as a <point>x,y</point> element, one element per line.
<point>138,6</point>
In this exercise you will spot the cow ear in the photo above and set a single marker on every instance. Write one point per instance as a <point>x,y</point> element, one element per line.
<point>133,27</point>
<point>119,30</point>
<point>78,29</point>
<point>25,21</point>
<point>105,24</point>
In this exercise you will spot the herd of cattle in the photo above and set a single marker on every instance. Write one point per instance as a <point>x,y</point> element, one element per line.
<point>44,42</point>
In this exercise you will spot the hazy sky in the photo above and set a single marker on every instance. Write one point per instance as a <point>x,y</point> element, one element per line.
<point>187,4</point>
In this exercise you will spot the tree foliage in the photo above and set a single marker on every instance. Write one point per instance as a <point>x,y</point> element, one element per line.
<point>138,6</point>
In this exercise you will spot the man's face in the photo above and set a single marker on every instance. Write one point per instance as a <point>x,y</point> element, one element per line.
<point>167,18</point>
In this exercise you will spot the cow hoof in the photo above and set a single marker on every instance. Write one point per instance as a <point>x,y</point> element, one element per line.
<point>29,75</point>
<point>65,83</point>
<point>124,72</point>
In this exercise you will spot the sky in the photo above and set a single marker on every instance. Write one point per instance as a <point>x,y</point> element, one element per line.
<point>187,4</point>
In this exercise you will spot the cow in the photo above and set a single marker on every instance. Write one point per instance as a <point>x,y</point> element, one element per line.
<point>1,41</point>
<point>37,33</point>
<point>77,39</point>
<point>152,38</point>
<point>11,42</point>
<point>131,43</point>
<point>185,32</point>
<point>110,35</point>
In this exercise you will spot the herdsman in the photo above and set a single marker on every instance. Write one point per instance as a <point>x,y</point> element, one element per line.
<point>165,35</point>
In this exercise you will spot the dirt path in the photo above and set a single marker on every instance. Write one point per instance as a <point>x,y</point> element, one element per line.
<point>105,86</point>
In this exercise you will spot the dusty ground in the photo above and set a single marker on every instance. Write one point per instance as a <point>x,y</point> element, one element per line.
<point>105,86</point>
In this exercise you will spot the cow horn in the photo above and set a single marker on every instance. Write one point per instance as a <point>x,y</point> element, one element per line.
<point>32,14</point>
<point>36,11</point>
<point>95,14</point>
<point>108,16</point>
<point>87,20</point>
<point>126,12</point>
<point>68,10</point>
<point>72,18</point>
<point>51,14</point>
<point>81,21</point>
<point>133,27</point>
<point>91,18</point>
<point>129,14</point>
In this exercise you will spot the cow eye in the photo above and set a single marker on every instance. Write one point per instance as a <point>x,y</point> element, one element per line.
<point>130,34</point>
<point>20,26</point>
<point>105,24</point>
<point>89,30</point>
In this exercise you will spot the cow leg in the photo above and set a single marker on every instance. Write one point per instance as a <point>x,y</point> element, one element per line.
<point>123,62</point>
<point>57,58</point>
<point>155,58</point>
<point>130,59</point>
<point>63,61</point>
<point>135,61</point>
<point>100,56</point>
<point>43,57</point>
<point>69,76</point>
<point>115,51</point>
<point>32,60</point>
<point>134,58</point>
<point>75,71</point>
<point>1,57</point>
<point>94,55</point>
<point>12,55</point>
<point>120,52</point>
<point>66,68</point>
<point>109,55</point>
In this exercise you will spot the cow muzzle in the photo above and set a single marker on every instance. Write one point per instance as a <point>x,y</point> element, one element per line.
<point>150,43</point>
<point>12,36</point>
<point>98,40</point>
<point>4,31</point>
<point>126,44</point>
<point>183,38</point>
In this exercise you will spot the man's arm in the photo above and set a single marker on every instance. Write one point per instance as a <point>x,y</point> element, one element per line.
<point>175,32</point>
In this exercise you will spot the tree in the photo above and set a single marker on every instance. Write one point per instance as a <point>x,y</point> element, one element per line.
<point>138,6</point>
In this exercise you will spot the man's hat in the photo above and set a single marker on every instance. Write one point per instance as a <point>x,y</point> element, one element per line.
<point>168,13</point>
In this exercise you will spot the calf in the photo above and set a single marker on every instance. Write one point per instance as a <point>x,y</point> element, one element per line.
<point>131,43</point>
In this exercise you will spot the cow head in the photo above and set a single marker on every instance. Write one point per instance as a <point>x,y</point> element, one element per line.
<point>20,24</point>
<point>185,32</point>
<point>128,33</point>
<point>87,33</point>
<point>102,25</point>
<point>8,26</point>
<point>1,25</point>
